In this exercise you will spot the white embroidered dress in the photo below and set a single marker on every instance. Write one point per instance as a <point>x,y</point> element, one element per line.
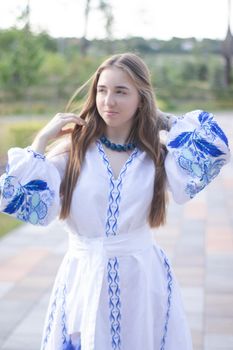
<point>115,286</point>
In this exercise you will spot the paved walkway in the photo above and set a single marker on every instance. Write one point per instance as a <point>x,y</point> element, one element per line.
<point>198,238</point>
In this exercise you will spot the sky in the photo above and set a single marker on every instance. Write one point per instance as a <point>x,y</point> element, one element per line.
<point>161,19</point>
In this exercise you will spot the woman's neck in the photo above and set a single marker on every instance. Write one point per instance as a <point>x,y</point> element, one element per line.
<point>117,136</point>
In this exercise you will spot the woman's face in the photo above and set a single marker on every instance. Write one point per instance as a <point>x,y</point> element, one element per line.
<point>117,98</point>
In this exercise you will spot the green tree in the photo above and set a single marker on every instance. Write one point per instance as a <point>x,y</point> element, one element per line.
<point>21,59</point>
<point>106,7</point>
<point>20,63</point>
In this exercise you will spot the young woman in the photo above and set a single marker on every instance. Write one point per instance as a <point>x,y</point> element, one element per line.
<point>107,180</point>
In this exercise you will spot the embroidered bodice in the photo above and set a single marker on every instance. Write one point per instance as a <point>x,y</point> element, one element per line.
<point>197,150</point>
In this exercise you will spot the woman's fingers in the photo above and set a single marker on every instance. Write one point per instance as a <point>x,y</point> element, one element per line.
<point>66,131</point>
<point>70,117</point>
<point>76,120</point>
<point>55,127</point>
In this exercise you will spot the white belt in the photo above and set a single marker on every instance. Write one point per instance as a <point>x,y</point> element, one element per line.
<point>98,250</point>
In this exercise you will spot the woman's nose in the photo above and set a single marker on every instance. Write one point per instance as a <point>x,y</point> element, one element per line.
<point>109,100</point>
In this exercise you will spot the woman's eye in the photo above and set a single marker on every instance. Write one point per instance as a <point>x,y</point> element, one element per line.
<point>121,92</point>
<point>100,90</point>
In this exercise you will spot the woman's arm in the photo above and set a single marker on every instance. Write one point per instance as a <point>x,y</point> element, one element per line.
<point>30,187</point>
<point>197,150</point>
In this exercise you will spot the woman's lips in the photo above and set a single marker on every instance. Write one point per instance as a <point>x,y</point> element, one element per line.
<point>111,113</point>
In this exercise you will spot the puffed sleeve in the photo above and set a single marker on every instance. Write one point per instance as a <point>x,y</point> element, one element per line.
<point>197,150</point>
<point>29,189</point>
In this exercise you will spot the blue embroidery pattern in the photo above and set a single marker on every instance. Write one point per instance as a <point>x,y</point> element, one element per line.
<point>115,190</point>
<point>169,290</point>
<point>197,154</point>
<point>27,202</point>
<point>70,345</point>
<point>115,197</point>
<point>58,306</point>
<point>113,210</point>
<point>65,341</point>
<point>50,320</point>
<point>111,229</point>
<point>35,154</point>
<point>114,302</point>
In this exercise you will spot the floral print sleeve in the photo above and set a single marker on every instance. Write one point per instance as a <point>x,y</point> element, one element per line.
<point>197,150</point>
<point>29,189</point>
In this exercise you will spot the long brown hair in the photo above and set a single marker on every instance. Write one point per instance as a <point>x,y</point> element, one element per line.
<point>145,132</point>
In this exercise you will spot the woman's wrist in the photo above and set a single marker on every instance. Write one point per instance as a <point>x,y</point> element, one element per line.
<point>39,144</point>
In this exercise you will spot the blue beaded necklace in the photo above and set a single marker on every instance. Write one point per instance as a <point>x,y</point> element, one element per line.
<point>117,147</point>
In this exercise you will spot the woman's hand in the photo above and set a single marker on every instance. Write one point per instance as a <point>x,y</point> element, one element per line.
<point>55,129</point>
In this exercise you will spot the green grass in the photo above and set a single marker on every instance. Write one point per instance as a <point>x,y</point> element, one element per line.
<point>8,223</point>
<point>18,133</point>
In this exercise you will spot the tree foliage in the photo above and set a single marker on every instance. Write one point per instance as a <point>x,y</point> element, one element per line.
<point>47,68</point>
<point>19,61</point>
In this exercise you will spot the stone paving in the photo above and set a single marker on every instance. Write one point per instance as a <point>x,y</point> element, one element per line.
<point>198,239</point>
